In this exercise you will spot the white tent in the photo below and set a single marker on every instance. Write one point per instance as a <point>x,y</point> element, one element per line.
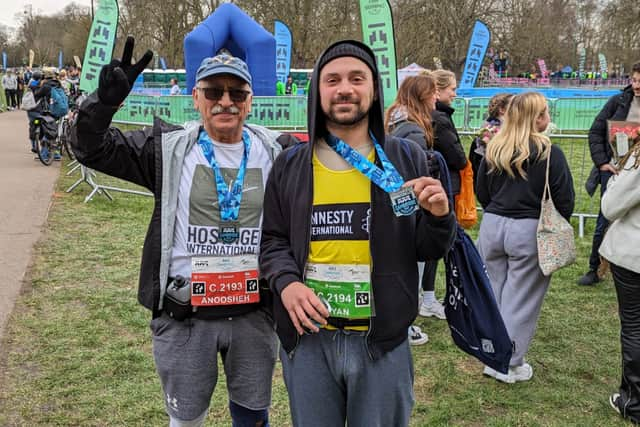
<point>410,70</point>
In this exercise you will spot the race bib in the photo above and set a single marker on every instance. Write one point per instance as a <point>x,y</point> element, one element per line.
<point>224,280</point>
<point>346,287</point>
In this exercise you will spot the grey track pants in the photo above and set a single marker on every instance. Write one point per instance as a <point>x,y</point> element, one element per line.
<point>508,248</point>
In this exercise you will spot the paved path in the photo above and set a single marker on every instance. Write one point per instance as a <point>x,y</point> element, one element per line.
<point>26,186</point>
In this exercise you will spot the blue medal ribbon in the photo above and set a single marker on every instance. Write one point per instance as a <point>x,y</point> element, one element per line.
<point>386,178</point>
<point>229,196</point>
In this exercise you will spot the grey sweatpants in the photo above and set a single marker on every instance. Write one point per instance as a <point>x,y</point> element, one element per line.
<point>508,248</point>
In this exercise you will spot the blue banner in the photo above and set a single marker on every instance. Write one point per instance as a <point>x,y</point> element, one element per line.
<point>283,50</point>
<point>163,63</point>
<point>4,60</point>
<point>60,60</point>
<point>480,39</point>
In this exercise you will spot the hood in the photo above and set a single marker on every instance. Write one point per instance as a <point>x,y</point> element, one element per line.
<point>316,123</point>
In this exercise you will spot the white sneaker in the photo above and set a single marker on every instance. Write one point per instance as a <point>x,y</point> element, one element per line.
<point>416,336</point>
<point>432,309</point>
<point>490,372</point>
<point>523,372</point>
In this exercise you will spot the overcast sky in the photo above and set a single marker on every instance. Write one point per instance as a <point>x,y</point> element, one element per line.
<point>9,8</point>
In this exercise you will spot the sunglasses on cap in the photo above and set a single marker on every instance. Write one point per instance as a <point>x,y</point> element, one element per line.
<point>215,93</point>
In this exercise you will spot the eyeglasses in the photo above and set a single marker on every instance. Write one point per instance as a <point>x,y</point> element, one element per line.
<point>216,93</point>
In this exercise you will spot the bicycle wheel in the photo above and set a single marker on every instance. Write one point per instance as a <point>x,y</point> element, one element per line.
<point>45,151</point>
<point>64,139</point>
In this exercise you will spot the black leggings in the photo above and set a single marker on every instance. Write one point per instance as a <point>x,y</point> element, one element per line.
<point>429,276</point>
<point>627,285</point>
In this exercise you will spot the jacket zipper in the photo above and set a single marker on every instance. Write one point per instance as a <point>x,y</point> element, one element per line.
<point>372,300</point>
<point>308,242</point>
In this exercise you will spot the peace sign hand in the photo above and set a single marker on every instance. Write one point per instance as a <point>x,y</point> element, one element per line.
<point>117,77</point>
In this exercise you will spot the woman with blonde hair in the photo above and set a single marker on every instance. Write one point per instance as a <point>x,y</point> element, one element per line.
<point>511,181</point>
<point>409,116</point>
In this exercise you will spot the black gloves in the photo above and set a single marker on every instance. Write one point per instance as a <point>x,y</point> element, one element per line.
<point>432,165</point>
<point>116,78</point>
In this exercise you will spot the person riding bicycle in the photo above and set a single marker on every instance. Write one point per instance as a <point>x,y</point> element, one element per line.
<point>42,95</point>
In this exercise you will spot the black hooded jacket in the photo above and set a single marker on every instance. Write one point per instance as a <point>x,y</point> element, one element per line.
<point>396,244</point>
<point>447,142</point>
<point>616,108</point>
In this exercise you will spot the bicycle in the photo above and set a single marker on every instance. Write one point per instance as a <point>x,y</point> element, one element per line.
<point>63,140</point>
<point>45,136</point>
<point>64,129</point>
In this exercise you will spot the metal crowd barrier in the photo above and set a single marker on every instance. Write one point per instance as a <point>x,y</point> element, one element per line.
<point>572,116</point>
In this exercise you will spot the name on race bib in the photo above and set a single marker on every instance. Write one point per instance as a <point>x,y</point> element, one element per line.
<point>217,281</point>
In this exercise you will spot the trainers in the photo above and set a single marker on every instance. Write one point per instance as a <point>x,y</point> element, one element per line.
<point>523,372</point>
<point>490,372</point>
<point>416,336</point>
<point>57,156</point>
<point>589,279</point>
<point>613,401</point>
<point>432,309</point>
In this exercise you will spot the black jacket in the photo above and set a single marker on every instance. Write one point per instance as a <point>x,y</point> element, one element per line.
<point>396,244</point>
<point>519,198</point>
<point>447,142</point>
<point>616,108</point>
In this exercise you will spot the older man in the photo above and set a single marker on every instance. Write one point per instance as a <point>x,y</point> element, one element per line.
<point>199,263</point>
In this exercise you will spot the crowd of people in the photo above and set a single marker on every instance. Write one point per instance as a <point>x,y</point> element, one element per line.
<point>41,85</point>
<point>259,244</point>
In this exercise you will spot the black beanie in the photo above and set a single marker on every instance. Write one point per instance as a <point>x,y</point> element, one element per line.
<point>351,48</point>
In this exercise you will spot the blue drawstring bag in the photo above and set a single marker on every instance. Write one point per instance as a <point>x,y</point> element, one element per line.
<point>472,313</point>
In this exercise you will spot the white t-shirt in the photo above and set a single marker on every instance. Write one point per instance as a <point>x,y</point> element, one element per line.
<point>175,90</point>
<point>198,214</point>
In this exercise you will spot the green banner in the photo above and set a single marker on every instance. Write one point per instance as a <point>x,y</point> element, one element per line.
<point>102,37</point>
<point>377,33</point>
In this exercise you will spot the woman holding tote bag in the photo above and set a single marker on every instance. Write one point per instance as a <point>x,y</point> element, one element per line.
<point>510,186</point>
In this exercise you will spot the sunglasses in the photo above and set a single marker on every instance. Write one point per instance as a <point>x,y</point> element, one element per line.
<point>216,93</point>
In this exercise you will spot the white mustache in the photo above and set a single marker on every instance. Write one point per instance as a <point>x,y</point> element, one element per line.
<point>218,109</point>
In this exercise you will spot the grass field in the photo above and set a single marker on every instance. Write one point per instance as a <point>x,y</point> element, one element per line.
<point>77,351</point>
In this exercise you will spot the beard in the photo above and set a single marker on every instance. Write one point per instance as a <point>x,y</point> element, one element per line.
<point>355,117</point>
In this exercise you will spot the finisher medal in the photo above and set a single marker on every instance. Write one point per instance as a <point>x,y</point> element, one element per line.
<point>229,232</point>
<point>403,201</point>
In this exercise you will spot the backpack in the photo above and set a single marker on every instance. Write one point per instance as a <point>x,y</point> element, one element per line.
<point>59,104</point>
<point>465,205</point>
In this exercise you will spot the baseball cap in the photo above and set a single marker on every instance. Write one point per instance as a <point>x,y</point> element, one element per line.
<point>223,64</point>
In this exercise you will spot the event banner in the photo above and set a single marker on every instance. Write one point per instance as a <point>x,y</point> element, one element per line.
<point>603,63</point>
<point>377,33</point>
<point>582,54</point>
<point>60,64</point>
<point>543,68</point>
<point>102,37</point>
<point>284,43</point>
<point>32,56</point>
<point>4,60</point>
<point>478,45</point>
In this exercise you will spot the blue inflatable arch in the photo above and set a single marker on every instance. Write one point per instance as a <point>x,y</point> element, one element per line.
<point>230,28</point>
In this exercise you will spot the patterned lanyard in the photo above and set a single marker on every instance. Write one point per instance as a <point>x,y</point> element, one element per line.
<point>386,178</point>
<point>229,201</point>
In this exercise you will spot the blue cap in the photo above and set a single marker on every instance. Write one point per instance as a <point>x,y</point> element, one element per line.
<point>223,64</point>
